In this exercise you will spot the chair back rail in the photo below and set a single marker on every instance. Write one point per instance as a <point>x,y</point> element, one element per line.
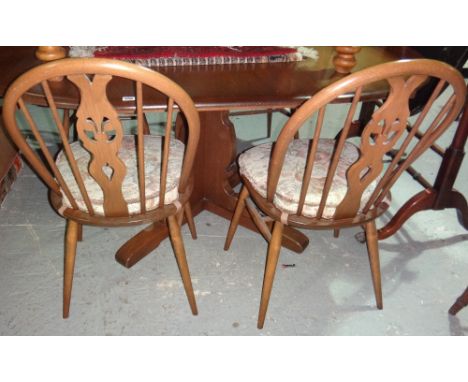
<point>99,128</point>
<point>384,133</point>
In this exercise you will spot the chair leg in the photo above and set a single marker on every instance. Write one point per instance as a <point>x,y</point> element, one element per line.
<point>146,129</point>
<point>235,219</point>
<point>373,251</point>
<point>180,217</point>
<point>190,222</point>
<point>178,244</point>
<point>80,232</point>
<point>336,232</point>
<point>270,269</point>
<point>69,264</point>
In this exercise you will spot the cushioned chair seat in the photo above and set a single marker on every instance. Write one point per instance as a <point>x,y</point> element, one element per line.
<point>254,163</point>
<point>130,188</point>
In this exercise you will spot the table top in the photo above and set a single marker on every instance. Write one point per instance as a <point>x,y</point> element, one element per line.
<point>224,87</point>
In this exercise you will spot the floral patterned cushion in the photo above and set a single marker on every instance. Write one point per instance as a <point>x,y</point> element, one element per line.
<point>130,188</point>
<point>253,164</point>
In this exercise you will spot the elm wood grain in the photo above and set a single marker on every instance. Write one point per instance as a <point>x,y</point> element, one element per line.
<point>386,131</point>
<point>100,132</point>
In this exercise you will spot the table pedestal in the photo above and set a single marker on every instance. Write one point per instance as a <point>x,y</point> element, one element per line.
<point>215,175</point>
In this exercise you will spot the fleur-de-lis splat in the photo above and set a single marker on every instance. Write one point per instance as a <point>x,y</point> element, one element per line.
<point>100,131</point>
<point>379,137</point>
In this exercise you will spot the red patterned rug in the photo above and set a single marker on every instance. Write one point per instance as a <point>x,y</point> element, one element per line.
<point>195,55</point>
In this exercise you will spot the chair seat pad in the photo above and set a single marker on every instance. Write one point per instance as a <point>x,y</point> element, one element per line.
<point>130,186</point>
<point>254,164</point>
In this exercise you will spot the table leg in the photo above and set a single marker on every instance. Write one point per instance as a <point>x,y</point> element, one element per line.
<point>461,302</point>
<point>442,195</point>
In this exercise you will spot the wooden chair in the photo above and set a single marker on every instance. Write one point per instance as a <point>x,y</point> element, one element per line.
<point>333,183</point>
<point>107,178</point>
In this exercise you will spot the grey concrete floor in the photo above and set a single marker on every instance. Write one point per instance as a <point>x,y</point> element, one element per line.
<point>328,292</point>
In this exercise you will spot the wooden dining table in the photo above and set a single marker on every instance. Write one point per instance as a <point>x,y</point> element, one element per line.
<point>217,90</point>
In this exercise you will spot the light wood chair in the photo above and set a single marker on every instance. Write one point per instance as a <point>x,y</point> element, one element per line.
<point>334,183</point>
<point>106,178</point>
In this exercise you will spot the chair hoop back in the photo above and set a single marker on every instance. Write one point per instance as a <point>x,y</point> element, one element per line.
<point>387,129</point>
<point>98,125</point>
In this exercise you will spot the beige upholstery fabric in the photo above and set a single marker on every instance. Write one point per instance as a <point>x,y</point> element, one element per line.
<point>130,188</point>
<point>254,164</point>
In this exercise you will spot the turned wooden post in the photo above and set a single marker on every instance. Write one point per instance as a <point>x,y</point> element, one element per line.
<point>50,53</point>
<point>344,59</point>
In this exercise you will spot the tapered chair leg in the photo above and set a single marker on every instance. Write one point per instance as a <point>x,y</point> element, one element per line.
<point>146,129</point>
<point>373,251</point>
<point>235,219</point>
<point>80,232</point>
<point>71,238</point>
<point>180,217</point>
<point>190,222</point>
<point>270,269</point>
<point>177,243</point>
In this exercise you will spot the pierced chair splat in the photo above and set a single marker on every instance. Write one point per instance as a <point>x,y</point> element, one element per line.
<point>323,183</point>
<point>107,178</point>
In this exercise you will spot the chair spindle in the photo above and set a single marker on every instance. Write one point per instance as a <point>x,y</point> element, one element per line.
<point>337,152</point>
<point>167,139</point>
<point>141,145</point>
<point>66,147</point>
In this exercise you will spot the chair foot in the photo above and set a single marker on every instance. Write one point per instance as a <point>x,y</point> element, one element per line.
<point>270,269</point>
<point>190,221</point>
<point>179,250</point>
<point>71,238</point>
<point>373,251</point>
